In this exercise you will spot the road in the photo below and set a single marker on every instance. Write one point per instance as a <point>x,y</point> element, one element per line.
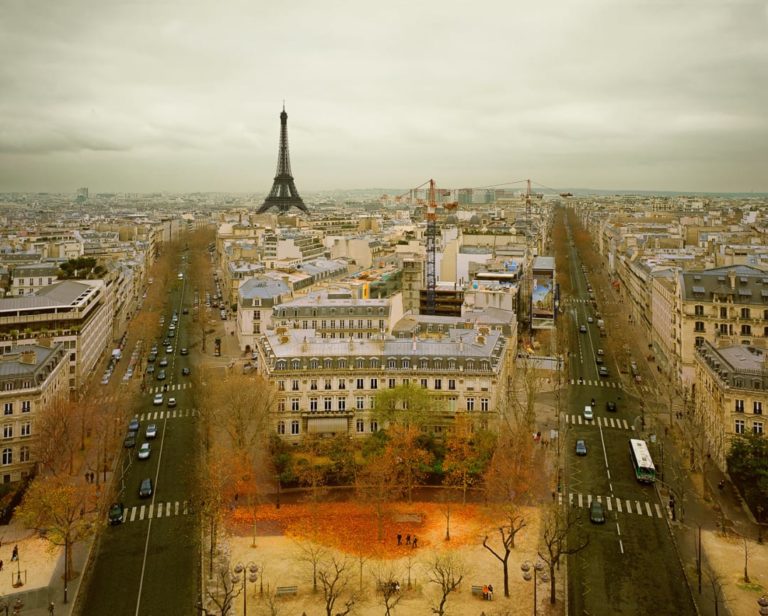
<point>149,564</point>
<point>630,565</point>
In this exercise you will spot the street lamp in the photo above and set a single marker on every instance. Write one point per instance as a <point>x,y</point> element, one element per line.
<point>538,574</point>
<point>253,575</point>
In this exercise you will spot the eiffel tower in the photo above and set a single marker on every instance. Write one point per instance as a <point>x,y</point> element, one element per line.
<point>283,195</point>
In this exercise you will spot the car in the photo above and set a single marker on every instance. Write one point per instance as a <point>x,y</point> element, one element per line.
<point>171,333</point>
<point>164,362</point>
<point>160,375</point>
<point>185,311</point>
<point>600,352</point>
<point>115,515</point>
<point>581,448</point>
<point>151,431</point>
<point>151,369</point>
<point>610,406</point>
<point>130,439</point>
<point>185,372</point>
<point>105,380</point>
<point>603,371</point>
<point>153,350</point>
<point>588,414</point>
<point>158,399</point>
<point>596,515</point>
<point>599,360</point>
<point>152,357</point>
<point>171,402</point>
<point>166,342</point>
<point>184,351</point>
<point>134,424</point>
<point>583,329</point>
<point>590,320</point>
<point>144,451</point>
<point>168,348</point>
<point>145,489</point>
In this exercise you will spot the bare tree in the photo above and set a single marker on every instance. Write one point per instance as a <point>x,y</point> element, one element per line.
<point>514,523</point>
<point>716,582</point>
<point>446,571</point>
<point>389,587</point>
<point>223,594</point>
<point>745,543</point>
<point>558,540</point>
<point>57,438</point>
<point>334,579</point>
<point>312,554</point>
<point>523,398</point>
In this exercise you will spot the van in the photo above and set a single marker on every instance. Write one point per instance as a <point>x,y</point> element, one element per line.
<point>145,490</point>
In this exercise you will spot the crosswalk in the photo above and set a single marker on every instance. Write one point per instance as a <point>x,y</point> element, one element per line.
<point>168,414</point>
<point>155,510</point>
<point>576,300</point>
<point>613,503</point>
<point>611,384</point>
<point>171,387</point>
<point>605,422</point>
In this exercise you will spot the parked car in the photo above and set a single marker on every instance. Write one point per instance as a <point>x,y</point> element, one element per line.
<point>151,431</point>
<point>145,489</point>
<point>603,371</point>
<point>590,320</point>
<point>152,357</point>
<point>184,351</point>
<point>185,311</point>
<point>581,448</point>
<point>116,511</point>
<point>144,451</point>
<point>158,400</point>
<point>130,439</point>
<point>134,424</point>
<point>596,515</point>
<point>151,369</point>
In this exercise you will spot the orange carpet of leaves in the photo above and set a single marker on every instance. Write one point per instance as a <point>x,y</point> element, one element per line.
<point>352,527</point>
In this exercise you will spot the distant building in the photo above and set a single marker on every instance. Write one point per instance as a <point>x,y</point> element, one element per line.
<point>28,279</point>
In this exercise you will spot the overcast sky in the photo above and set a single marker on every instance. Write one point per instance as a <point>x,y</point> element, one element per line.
<point>185,96</point>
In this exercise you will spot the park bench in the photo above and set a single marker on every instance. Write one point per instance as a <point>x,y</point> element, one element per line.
<point>281,591</point>
<point>477,590</point>
<point>388,587</point>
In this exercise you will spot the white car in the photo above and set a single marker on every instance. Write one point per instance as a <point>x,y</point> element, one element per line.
<point>151,431</point>
<point>169,349</point>
<point>588,414</point>
<point>158,401</point>
<point>171,402</point>
<point>144,451</point>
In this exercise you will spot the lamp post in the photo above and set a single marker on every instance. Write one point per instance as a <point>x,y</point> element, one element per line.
<point>252,575</point>
<point>538,574</point>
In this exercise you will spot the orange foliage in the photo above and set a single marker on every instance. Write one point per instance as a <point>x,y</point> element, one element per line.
<point>351,527</point>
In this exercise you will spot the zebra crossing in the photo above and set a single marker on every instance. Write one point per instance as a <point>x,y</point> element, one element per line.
<point>612,384</point>
<point>575,300</point>
<point>605,422</point>
<point>168,414</point>
<point>156,511</point>
<point>614,503</point>
<point>171,387</point>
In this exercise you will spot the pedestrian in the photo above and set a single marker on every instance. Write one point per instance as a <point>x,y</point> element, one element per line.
<point>1,565</point>
<point>399,539</point>
<point>407,540</point>
<point>490,592</point>
<point>15,555</point>
<point>86,478</point>
<point>415,541</point>
<point>485,591</point>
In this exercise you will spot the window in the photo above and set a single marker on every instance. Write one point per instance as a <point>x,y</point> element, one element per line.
<point>374,383</point>
<point>745,313</point>
<point>314,364</point>
<point>470,404</point>
<point>484,404</point>
<point>406,363</point>
<point>699,341</point>
<point>699,326</point>
<point>360,425</point>
<point>381,323</point>
<point>746,330</point>
<point>374,426</point>
<point>328,384</point>
<point>281,427</point>
<point>281,386</point>
<point>341,324</point>
<point>698,310</point>
<point>313,384</point>
<point>723,328</point>
<point>452,384</point>
<point>342,384</point>
<point>342,362</point>
<point>370,323</point>
<point>8,408</point>
<point>757,407</point>
<point>391,383</point>
<point>324,324</point>
<point>8,431</point>
<point>7,456</point>
<point>470,365</point>
<point>438,383</point>
<point>739,428</point>
<point>26,406</point>
<point>313,405</point>
<point>328,364</point>
<point>374,363</point>
<point>437,364</point>
<point>452,404</point>
<point>24,454</point>
<point>342,404</point>
<point>305,325</point>
<point>328,404</point>
<point>391,363</point>
<point>723,313</point>
<point>451,364</point>
<point>423,383</point>
<point>360,403</point>
<point>757,427</point>
<point>281,406</point>
<point>296,364</point>
<point>359,363</point>
<point>294,404</point>
<point>360,383</point>
<point>424,364</point>
<point>333,323</point>
<point>294,427</point>
<point>295,385</point>
<point>739,406</point>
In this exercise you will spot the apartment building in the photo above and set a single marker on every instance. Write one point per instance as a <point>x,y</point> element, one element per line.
<point>328,386</point>
<point>30,278</point>
<point>32,376</point>
<point>76,313</point>
<point>731,392</point>
<point>256,299</point>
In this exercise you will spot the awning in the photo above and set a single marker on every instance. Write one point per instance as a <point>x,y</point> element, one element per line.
<point>327,424</point>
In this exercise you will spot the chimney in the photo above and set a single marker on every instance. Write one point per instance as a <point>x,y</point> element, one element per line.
<point>732,279</point>
<point>413,343</point>
<point>28,357</point>
<point>461,343</point>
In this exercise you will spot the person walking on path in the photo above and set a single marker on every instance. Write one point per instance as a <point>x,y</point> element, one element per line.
<point>415,541</point>
<point>15,555</point>
<point>399,539</point>
<point>407,540</point>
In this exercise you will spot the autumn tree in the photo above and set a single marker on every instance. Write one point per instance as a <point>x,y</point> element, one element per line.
<point>310,469</point>
<point>561,536</point>
<point>446,571</point>
<point>408,459</point>
<point>378,484</point>
<point>405,405</point>
<point>467,453</point>
<point>214,489</point>
<point>509,475</point>
<point>334,580</point>
<point>343,452</point>
<point>57,437</point>
<point>513,523</point>
<point>62,512</point>
<point>528,382</point>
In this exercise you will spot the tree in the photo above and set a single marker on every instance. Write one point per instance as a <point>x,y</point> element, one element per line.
<point>309,468</point>
<point>716,582</point>
<point>342,451</point>
<point>334,579</point>
<point>389,586</point>
<point>56,441</point>
<point>378,484</point>
<point>748,468</point>
<point>523,400</point>
<point>405,405</point>
<point>224,593</point>
<point>214,489</point>
<point>409,461</point>
<point>558,540</point>
<point>467,454</point>
<point>312,554</point>
<point>514,523</point>
<point>61,511</point>
<point>509,474</point>
<point>446,571</point>
<point>745,543</point>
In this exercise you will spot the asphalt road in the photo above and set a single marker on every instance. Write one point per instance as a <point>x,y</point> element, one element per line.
<point>629,565</point>
<point>149,564</point>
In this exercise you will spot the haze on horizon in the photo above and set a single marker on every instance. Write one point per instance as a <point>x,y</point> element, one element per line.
<point>184,96</point>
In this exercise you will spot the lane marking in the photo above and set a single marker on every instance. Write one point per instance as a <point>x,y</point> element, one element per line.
<point>618,505</point>
<point>141,513</point>
<point>648,509</point>
<point>658,509</point>
<point>639,509</point>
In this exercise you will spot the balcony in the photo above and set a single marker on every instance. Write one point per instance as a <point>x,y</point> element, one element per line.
<point>323,413</point>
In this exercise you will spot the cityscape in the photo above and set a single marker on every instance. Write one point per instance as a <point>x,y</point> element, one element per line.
<point>401,347</point>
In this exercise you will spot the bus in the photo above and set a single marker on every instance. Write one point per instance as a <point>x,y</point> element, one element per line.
<point>645,471</point>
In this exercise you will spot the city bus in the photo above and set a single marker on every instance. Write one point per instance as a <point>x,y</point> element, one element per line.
<point>645,471</point>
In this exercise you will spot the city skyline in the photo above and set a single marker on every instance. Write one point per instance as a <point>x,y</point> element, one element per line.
<point>180,97</point>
